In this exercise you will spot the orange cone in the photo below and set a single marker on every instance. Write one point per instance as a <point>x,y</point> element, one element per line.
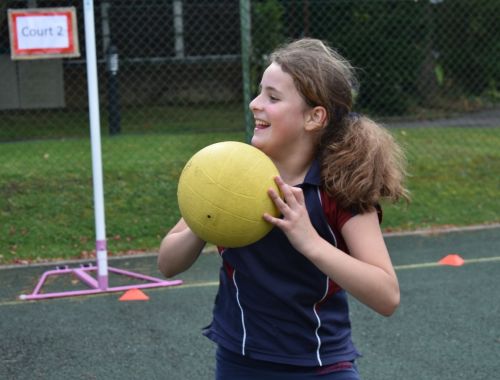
<point>452,260</point>
<point>134,295</point>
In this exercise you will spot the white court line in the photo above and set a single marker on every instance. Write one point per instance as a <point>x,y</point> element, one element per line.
<point>198,285</point>
<point>208,284</point>
<point>436,264</point>
<point>396,267</point>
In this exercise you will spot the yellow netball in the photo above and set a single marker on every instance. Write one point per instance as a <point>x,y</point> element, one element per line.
<point>222,193</point>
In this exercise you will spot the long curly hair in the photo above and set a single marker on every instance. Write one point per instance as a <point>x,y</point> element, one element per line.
<point>361,162</point>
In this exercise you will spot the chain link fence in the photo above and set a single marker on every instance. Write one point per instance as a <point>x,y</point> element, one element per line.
<point>177,75</point>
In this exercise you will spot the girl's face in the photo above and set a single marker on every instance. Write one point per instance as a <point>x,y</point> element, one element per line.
<point>280,114</point>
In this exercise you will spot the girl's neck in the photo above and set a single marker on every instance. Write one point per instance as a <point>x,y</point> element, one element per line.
<point>294,163</point>
<point>293,172</point>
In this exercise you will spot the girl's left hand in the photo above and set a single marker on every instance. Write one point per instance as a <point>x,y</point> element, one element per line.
<point>295,222</point>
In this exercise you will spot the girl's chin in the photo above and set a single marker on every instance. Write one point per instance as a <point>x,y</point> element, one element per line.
<point>261,137</point>
<point>256,141</point>
<point>259,144</point>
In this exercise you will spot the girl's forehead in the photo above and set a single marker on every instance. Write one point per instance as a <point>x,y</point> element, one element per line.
<point>275,77</point>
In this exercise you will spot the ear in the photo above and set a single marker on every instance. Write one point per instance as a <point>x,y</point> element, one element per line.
<point>316,119</point>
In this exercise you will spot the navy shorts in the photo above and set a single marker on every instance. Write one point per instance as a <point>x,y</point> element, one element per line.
<point>231,366</point>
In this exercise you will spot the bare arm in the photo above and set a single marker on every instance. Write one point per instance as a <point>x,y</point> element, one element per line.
<point>367,273</point>
<point>179,249</point>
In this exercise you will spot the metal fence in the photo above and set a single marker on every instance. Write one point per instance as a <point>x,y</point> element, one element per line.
<point>175,75</point>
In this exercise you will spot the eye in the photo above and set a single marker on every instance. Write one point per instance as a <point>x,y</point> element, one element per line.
<point>273,98</point>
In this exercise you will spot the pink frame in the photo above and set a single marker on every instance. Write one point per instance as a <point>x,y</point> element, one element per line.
<point>83,275</point>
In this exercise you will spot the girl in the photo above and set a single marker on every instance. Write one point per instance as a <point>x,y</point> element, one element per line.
<point>281,311</point>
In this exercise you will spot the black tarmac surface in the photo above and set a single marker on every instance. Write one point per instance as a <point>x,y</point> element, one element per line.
<point>447,327</point>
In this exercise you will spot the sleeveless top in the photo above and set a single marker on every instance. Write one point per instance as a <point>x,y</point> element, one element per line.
<point>274,305</point>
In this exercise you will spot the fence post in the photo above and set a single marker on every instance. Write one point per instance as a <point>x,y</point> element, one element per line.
<point>114,118</point>
<point>246,46</point>
<point>178,29</point>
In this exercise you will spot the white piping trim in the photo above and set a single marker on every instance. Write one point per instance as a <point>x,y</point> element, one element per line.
<point>327,285</point>
<point>327,224</point>
<point>243,343</point>
<point>319,322</point>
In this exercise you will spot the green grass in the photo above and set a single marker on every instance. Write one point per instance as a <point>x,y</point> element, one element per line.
<point>64,123</point>
<point>46,199</point>
<point>453,177</point>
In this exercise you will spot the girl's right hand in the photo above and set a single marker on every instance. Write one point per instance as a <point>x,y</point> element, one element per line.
<point>295,222</point>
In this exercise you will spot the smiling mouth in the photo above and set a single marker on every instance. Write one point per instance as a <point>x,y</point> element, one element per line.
<point>261,124</point>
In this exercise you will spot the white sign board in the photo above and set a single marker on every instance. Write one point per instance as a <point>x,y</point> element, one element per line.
<point>43,33</point>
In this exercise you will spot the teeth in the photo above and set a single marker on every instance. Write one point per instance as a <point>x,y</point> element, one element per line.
<point>261,123</point>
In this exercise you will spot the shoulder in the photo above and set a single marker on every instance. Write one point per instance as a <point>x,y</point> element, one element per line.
<point>336,215</point>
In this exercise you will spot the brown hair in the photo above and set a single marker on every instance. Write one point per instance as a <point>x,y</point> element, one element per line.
<point>361,162</point>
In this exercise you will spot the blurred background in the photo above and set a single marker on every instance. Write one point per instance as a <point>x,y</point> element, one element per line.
<point>177,75</point>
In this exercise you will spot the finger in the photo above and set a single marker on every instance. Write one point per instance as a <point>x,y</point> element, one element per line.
<point>298,195</point>
<point>288,192</point>
<point>278,201</point>
<point>273,220</point>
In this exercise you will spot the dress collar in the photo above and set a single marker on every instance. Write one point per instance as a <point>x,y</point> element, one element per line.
<point>313,176</point>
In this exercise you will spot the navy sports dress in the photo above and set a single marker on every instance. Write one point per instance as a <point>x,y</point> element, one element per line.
<point>274,305</point>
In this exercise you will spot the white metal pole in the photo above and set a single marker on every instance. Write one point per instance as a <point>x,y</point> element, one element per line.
<point>95,139</point>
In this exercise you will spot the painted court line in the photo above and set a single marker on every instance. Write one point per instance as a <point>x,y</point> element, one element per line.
<point>207,284</point>
<point>437,264</point>
<point>396,267</point>
<point>199,285</point>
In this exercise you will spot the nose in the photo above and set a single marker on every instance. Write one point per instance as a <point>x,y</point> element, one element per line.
<point>254,104</point>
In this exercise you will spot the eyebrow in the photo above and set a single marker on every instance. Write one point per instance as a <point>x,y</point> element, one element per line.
<point>269,88</point>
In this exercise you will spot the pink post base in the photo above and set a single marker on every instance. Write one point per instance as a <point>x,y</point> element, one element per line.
<point>95,286</point>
